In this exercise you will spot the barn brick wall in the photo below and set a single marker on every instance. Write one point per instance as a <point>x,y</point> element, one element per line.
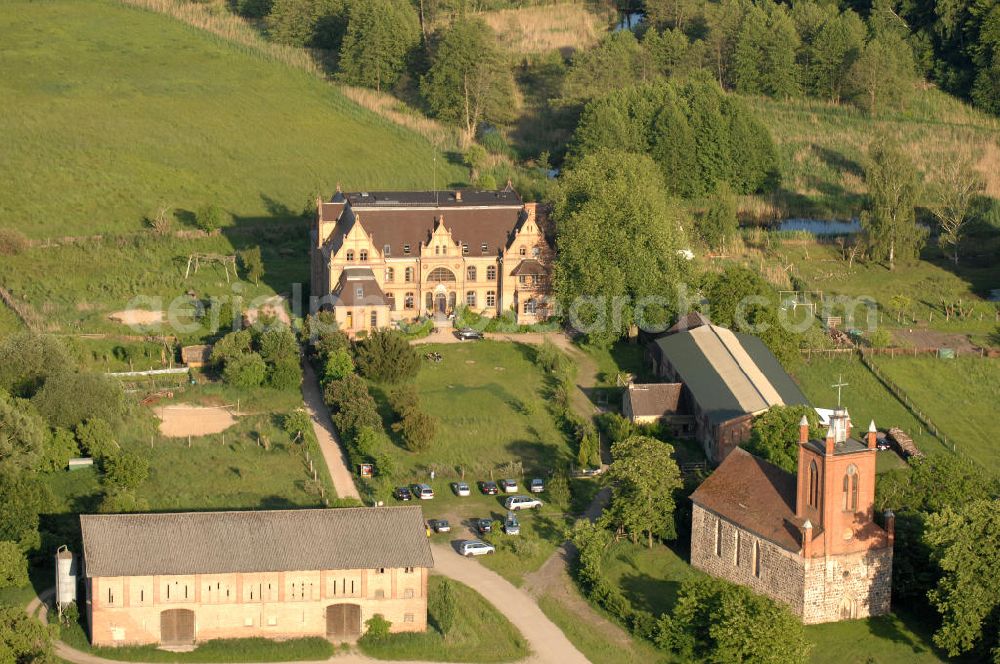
<point>781,572</point>
<point>126,610</point>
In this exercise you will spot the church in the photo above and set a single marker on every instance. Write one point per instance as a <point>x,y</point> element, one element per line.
<point>807,539</point>
<point>382,257</point>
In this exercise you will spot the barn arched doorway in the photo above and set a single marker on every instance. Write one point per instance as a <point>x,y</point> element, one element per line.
<point>343,622</point>
<point>177,627</point>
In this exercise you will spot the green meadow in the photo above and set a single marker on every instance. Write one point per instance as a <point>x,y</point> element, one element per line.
<point>108,112</point>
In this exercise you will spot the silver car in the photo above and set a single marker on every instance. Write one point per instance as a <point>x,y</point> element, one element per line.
<point>476,548</point>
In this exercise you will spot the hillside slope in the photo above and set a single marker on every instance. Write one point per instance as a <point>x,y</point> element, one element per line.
<point>109,111</point>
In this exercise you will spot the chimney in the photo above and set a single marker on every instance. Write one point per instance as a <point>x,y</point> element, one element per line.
<point>803,430</point>
<point>890,525</point>
<point>830,441</point>
<point>807,536</point>
<point>872,435</point>
<point>458,196</point>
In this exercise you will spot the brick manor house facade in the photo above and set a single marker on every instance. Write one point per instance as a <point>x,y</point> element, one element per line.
<point>807,539</point>
<point>183,578</point>
<point>381,257</point>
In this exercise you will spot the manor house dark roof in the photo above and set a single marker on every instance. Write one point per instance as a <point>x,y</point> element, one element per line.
<point>755,495</point>
<point>358,288</point>
<point>435,199</point>
<point>254,541</point>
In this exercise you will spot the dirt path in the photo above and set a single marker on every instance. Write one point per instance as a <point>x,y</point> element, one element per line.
<point>329,443</point>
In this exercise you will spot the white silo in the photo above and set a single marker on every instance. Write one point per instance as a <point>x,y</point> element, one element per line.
<point>66,577</point>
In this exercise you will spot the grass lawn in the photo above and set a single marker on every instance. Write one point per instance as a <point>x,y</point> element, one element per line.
<point>650,577</point>
<point>493,424</point>
<point>479,630</point>
<point>866,398</point>
<point>959,396</point>
<point>593,645</point>
<point>142,110</point>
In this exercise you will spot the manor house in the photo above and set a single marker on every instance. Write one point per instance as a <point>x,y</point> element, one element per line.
<point>807,539</point>
<point>380,257</point>
<point>180,579</point>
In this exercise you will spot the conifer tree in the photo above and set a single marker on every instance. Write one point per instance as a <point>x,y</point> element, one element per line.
<point>380,34</point>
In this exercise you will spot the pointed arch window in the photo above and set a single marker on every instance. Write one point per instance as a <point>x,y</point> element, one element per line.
<point>813,484</point>
<point>850,503</point>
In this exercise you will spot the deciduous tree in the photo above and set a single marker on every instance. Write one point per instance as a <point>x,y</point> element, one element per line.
<point>954,187</point>
<point>28,359</point>
<point>775,434</point>
<point>883,74</point>
<point>719,222</point>
<point>253,264</point>
<point>380,34</point>
<point>22,434</point>
<point>889,219</point>
<point>469,80</point>
<point>13,565</point>
<point>68,399</point>
<point>125,470</point>
<point>23,639</point>
<point>643,477</point>
<point>386,356</point>
<point>246,371</point>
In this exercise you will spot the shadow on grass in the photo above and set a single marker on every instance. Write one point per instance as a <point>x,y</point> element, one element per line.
<point>654,595</point>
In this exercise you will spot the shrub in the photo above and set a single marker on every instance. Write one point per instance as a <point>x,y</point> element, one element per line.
<point>386,356</point>
<point>285,374</point>
<point>245,371</point>
<point>65,400</point>
<point>59,449</point>
<point>352,404</point>
<point>277,343</point>
<point>418,430</point>
<point>880,338</point>
<point>376,628</point>
<point>13,566</point>
<point>119,501</point>
<point>296,423</point>
<point>12,242</point>
<point>210,218</point>
<point>232,346</point>
<point>615,426</point>
<point>443,607</point>
<point>125,471</point>
<point>338,364</point>
<point>96,438</point>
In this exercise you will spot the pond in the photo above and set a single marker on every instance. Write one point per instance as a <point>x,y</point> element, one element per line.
<point>629,21</point>
<point>821,226</point>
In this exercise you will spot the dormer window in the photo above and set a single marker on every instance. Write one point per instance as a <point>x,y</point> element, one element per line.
<point>364,254</point>
<point>406,249</point>
<point>386,250</point>
<point>524,251</point>
<point>350,255</point>
<point>359,292</point>
<point>465,249</point>
<point>484,248</point>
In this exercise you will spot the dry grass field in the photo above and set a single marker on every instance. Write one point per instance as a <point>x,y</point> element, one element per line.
<point>564,27</point>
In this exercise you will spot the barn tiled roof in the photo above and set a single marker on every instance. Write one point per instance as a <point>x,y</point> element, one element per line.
<point>754,494</point>
<point>728,374</point>
<point>254,541</point>
<point>653,399</point>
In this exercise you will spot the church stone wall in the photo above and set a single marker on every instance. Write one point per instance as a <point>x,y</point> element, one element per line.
<point>848,586</point>
<point>781,572</point>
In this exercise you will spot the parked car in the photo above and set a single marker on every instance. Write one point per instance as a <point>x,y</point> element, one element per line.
<point>476,548</point>
<point>522,503</point>
<point>508,486</point>
<point>422,491</point>
<point>511,526</point>
<point>402,493</point>
<point>536,485</point>
<point>440,525</point>
<point>460,488</point>
<point>484,526</point>
<point>489,488</point>
<point>467,333</point>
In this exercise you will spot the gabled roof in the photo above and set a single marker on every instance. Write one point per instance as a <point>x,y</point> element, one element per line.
<point>755,495</point>
<point>529,266</point>
<point>689,321</point>
<point>653,399</point>
<point>728,374</point>
<point>358,288</point>
<point>255,541</point>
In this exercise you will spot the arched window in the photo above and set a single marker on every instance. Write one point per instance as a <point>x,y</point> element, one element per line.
<point>813,485</point>
<point>851,489</point>
<point>408,275</point>
<point>363,255</point>
<point>470,273</point>
<point>491,298</point>
<point>470,298</point>
<point>350,255</point>
<point>437,249</point>
<point>491,273</point>
<point>441,274</point>
<point>408,301</point>
<point>390,275</point>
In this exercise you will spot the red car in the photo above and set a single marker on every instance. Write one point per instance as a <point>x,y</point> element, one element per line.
<point>489,488</point>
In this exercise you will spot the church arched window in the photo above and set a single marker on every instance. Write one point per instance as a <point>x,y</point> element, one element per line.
<point>813,485</point>
<point>851,489</point>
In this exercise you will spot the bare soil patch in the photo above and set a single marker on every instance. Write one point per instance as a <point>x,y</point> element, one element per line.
<point>181,420</point>
<point>137,317</point>
<point>919,338</point>
<point>273,307</point>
